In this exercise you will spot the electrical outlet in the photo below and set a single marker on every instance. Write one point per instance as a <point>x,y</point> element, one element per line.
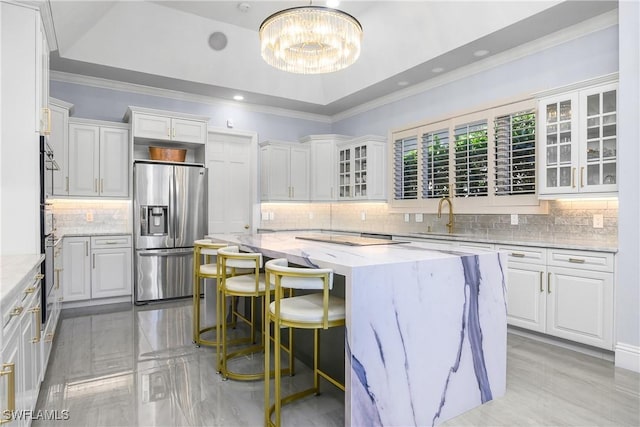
<point>363,215</point>
<point>419,217</point>
<point>310,215</point>
<point>514,219</point>
<point>264,216</point>
<point>407,217</point>
<point>270,216</point>
<point>89,216</point>
<point>598,221</point>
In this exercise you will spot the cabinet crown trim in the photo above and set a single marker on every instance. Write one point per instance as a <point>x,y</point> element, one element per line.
<point>133,109</point>
<point>607,78</point>
<point>60,103</point>
<point>102,123</point>
<point>331,136</point>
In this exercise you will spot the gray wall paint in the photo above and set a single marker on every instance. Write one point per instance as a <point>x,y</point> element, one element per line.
<point>593,55</point>
<point>628,277</point>
<point>107,104</point>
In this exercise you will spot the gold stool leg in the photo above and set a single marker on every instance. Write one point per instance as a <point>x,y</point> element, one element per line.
<point>277,375</point>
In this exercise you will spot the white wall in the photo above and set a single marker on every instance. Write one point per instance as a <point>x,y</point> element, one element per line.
<point>628,277</point>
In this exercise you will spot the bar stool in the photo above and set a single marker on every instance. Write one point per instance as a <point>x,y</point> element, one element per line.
<point>208,270</point>
<point>316,311</point>
<point>247,285</point>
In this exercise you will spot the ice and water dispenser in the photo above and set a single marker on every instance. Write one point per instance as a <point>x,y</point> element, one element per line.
<point>154,220</point>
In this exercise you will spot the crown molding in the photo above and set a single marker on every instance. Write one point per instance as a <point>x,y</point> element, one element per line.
<point>607,78</point>
<point>574,32</point>
<point>101,83</point>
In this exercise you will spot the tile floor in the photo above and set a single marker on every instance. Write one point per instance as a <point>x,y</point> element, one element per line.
<point>128,366</point>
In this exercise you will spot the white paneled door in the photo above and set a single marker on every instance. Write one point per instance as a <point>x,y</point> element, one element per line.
<point>231,160</point>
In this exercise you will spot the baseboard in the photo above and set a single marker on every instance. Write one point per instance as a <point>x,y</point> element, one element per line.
<point>628,357</point>
<point>600,353</point>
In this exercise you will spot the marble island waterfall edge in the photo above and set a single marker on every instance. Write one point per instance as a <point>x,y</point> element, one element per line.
<point>426,343</point>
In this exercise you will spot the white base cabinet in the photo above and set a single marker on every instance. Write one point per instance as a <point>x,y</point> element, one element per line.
<point>20,353</point>
<point>97,267</point>
<point>564,293</point>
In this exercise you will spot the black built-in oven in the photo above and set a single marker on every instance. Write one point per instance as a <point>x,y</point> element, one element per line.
<point>47,239</point>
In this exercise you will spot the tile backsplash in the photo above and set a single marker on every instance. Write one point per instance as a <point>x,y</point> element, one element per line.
<point>73,216</point>
<point>565,219</point>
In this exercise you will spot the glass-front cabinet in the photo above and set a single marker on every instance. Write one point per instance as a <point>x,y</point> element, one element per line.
<point>361,168</point>
<point>578,141</point>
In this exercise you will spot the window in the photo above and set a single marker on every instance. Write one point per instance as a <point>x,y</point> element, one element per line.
<point>471,160</point>
<point>435,166</point>
<point>405,168</point>
<point>485,159</point>
<point>515,153</point>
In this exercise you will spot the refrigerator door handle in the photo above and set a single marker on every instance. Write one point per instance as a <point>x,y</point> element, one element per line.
<point>172,206</point>
<point>166,253</point>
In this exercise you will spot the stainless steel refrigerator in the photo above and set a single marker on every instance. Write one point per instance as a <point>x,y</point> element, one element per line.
<point>169,214</point>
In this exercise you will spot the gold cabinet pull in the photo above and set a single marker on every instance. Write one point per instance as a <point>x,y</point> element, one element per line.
<point>94,261</point>
<point>576,260</point>
<point>58,270</point>
<point>548,283</point>
<point>541,288</point>
<point>49,337</point>
<point>95,185</point>
<point>246,226</point>
<point>582,177</point>
<point>9,369</point>
<point>17,311</point>
<point>174,132</point>
<point>29,290</point>
<point>36,312</point>
<point>517,254</point>
<point>67,184</point>
<point>573,178</point>
<point>86,248</point>
<point>39,276</point>
<point>101,185</point>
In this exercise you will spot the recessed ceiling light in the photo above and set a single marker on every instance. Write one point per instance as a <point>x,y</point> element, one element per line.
<point>238,97</point>
<point>403,83</point>
<point>244,7</point>
<point>333,3</point>
<point>481,52</point>
<point>437,70</point>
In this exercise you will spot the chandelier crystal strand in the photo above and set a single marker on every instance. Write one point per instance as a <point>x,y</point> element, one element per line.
<point>310,40</point>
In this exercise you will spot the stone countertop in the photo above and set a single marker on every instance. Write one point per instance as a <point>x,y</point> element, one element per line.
<point>13,272</point>
<point>497,239</point>
<point>342,258</point>
<point>82,234</point>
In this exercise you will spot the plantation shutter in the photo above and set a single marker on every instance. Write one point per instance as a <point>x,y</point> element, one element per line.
<point>515,153</point>
<point>471,160</point>
<point>435,164</point>
<point>405,174</point>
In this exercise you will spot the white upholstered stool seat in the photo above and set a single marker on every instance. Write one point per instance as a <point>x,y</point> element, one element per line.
<point>213,269</point>
<point>315,310</point>
<point>245,283</point>
<point>309,308</point>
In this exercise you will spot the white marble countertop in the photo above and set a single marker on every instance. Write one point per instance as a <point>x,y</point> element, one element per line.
<point>341,258</point>
<point>609,245</point>
<point>13,271</point>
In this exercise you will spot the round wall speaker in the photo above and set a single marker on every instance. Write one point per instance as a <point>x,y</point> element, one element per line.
<point>217,40</point>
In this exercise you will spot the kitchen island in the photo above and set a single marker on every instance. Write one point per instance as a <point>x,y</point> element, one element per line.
<point>426,329</point>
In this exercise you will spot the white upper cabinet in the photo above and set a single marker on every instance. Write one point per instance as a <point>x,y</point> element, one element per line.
<point>284,173</point>
<point>323,165</point>
<point>578,141</point>
<point>98,159</point>
<point>59,142</point>
<point>168,128</point>
<point>361,168</point>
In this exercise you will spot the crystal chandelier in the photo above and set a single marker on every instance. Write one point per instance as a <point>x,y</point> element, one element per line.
<point>310,40</point>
